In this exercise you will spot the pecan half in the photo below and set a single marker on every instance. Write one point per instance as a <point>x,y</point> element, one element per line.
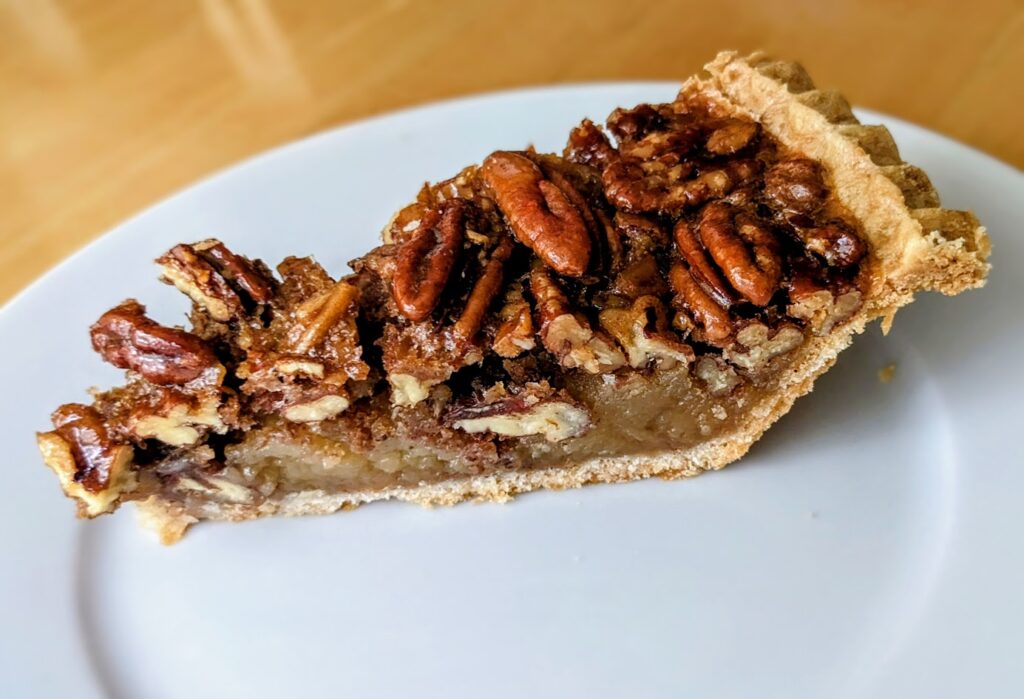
<point>600,257</point>
<point>567,335</point>
<point>538,212</point>
<point>745,250</point>
<point>700,267</point>
<point>126,338</point>
<point>795,185</point>
<point>424,262</point>
<point>694,300</point>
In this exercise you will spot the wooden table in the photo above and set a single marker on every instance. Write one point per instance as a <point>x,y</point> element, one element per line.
<point>108,106</point>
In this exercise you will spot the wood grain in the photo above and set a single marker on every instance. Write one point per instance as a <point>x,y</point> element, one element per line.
<point>107,106</point>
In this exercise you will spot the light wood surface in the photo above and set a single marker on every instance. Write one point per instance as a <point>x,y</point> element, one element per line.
<point>108,106</point>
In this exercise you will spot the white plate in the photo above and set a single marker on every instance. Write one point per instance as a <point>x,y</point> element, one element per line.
<point>868,546</point>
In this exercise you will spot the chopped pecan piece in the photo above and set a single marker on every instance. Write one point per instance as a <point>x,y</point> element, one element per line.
<point>636,189</point>
<point>795,185</point>
<point>483,293</point>
<point>320,314</point>
<point>515,335</point>
<point>568,335</point>
<point>588,145</point>
<point>126,338</point>
<point>834,241</point>
<point>642,277</point>
<point>655,145</point>
<point>92,467</point>
<point>719,377</point>
<point>177,417</point>
<point>644,235</point>
<point>637,122</point>
<point>209,273</point>
<point>253,279</point>
<point>323,401</point>
<point>820,307</point>
<point>643,331</point>
<point>757,344</point>
<point>732,136</point>
<point>419,356</point>
<point>534,410</point>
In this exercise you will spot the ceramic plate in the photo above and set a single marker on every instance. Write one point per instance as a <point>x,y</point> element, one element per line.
<point>869,545</point>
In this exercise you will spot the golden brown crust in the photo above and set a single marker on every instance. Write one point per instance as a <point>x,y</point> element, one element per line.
<point>916,246</point>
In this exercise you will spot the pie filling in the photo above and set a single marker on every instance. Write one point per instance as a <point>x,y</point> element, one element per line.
<point>644,291</point>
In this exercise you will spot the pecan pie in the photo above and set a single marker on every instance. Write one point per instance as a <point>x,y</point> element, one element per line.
<point>646,303</point>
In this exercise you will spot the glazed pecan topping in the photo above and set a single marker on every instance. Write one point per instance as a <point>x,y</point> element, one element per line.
<point>680,236</point>
<point>129,340</point>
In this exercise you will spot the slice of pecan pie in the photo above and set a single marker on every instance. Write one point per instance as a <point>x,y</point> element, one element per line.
<point>646,303</point>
